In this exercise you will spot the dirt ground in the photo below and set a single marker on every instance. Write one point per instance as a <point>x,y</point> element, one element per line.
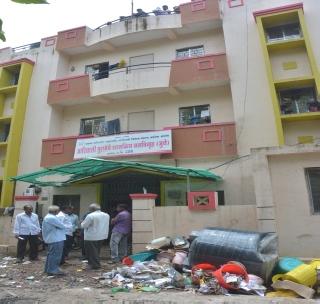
<point>27,284</point>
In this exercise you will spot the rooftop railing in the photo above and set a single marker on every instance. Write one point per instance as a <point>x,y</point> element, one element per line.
<point>129,69</point>
<point>26,47</point>
<point>139,15</point>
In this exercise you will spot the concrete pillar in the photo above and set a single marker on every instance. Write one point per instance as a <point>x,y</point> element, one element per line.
<point>142,220</point>
<point>266,216</point>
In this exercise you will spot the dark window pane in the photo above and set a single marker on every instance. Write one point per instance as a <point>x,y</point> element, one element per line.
<point>90,125</point>
<point>190,52</point>
<point>283,32</point>
<point>292,31</point>
<point>298,101</point>
<point>194,115</point>
<point>274,33</point>
<point>313,175</point>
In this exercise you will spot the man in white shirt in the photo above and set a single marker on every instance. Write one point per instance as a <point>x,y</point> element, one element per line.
<point>54,234</point>
<point>96,229</point>
<point>66,221</point>
<point>26,229</point>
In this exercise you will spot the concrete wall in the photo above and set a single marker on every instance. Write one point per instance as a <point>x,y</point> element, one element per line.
<point>164,50</point>
<point>298,229</point>
<point>7,240</point>
<point>297,56</point>
<point>181,220</point>
<point>165,106</point>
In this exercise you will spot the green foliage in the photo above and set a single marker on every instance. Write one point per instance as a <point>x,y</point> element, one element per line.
<point>2,35</point>
<point>31,1</point>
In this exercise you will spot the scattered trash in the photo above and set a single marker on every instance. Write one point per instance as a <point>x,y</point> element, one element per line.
<point>3,275</point>
<point>301,290</point>
<point>149,289</point>
<point>9,258</point>
<point>31,278</point>
<point>159,243</point>
<point>26,263</point>
<point>119,289</point>
<point>87,288</point>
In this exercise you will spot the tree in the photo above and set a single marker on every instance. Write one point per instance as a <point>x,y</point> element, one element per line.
<point>2,35</point>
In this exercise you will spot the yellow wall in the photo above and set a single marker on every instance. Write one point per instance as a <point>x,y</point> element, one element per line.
<point>12,145</point>
<point>292,66</point>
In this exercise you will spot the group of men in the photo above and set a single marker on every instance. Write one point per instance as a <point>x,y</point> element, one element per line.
<point>58,229</point>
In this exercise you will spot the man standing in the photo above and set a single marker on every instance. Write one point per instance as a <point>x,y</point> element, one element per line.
<point>96,229</point>
<point>120,232</point>
<point>63,216</point>
<point>74,221</point>
<point>26,229</point>
<point>53,233</point>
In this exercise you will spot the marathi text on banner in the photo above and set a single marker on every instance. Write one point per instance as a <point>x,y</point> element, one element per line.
<point>157,142</point>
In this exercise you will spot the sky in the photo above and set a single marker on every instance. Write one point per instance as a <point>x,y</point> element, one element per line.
<point>27,23</point>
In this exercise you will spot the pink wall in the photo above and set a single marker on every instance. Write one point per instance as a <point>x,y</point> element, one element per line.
<point>198,69</point>
<point>208,140</point>
<point>199,11</point>
<point>71,38</point>
<point>65,89</point>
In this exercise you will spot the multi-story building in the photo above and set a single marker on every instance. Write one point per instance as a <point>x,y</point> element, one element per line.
<point>228,86</point>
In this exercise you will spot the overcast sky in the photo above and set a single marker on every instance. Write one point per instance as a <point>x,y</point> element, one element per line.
<point>24,24</point>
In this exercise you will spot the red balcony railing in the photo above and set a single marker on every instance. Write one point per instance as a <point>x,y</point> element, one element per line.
<point>210,69</point>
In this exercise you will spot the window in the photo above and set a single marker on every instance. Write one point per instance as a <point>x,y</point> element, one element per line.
<point>98,70</point>
<point>194,115</point>
<point>194,51</point>
<point>141,63</point>
<point>141,121</point>
<point>313,180</point>
<point>91,125</point>
<point>300,100</point>
<point>283,32</point>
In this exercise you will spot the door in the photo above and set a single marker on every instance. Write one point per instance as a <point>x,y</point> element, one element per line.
<point>68,200</point>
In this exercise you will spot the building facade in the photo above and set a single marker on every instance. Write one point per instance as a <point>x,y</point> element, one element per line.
<point>234,82</point>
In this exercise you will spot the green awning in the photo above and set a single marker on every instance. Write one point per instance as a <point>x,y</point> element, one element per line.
<point>91,169</point>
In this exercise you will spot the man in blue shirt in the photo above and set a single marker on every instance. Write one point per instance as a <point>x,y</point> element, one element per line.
<point>54,234</point>
<point>26,229</point>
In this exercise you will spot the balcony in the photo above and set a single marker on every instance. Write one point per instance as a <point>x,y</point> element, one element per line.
<point>200,12</point>
<point>210,140</point>
<point>198,72</point>
<point>69,91</point>
<point>57,151</point>
<point>135,80</point>
<point>130,81</point>
<point>196,16</point>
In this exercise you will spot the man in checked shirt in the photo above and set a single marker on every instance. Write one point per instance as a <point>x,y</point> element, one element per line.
<point>26,229</point>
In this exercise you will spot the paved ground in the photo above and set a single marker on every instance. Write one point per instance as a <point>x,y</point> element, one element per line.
<point>80,287</point>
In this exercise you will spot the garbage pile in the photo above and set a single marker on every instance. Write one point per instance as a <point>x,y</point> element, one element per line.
<point>154,276</point>
<point>218,262</point>
<point>293,278</point>
<point>188,264</point>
